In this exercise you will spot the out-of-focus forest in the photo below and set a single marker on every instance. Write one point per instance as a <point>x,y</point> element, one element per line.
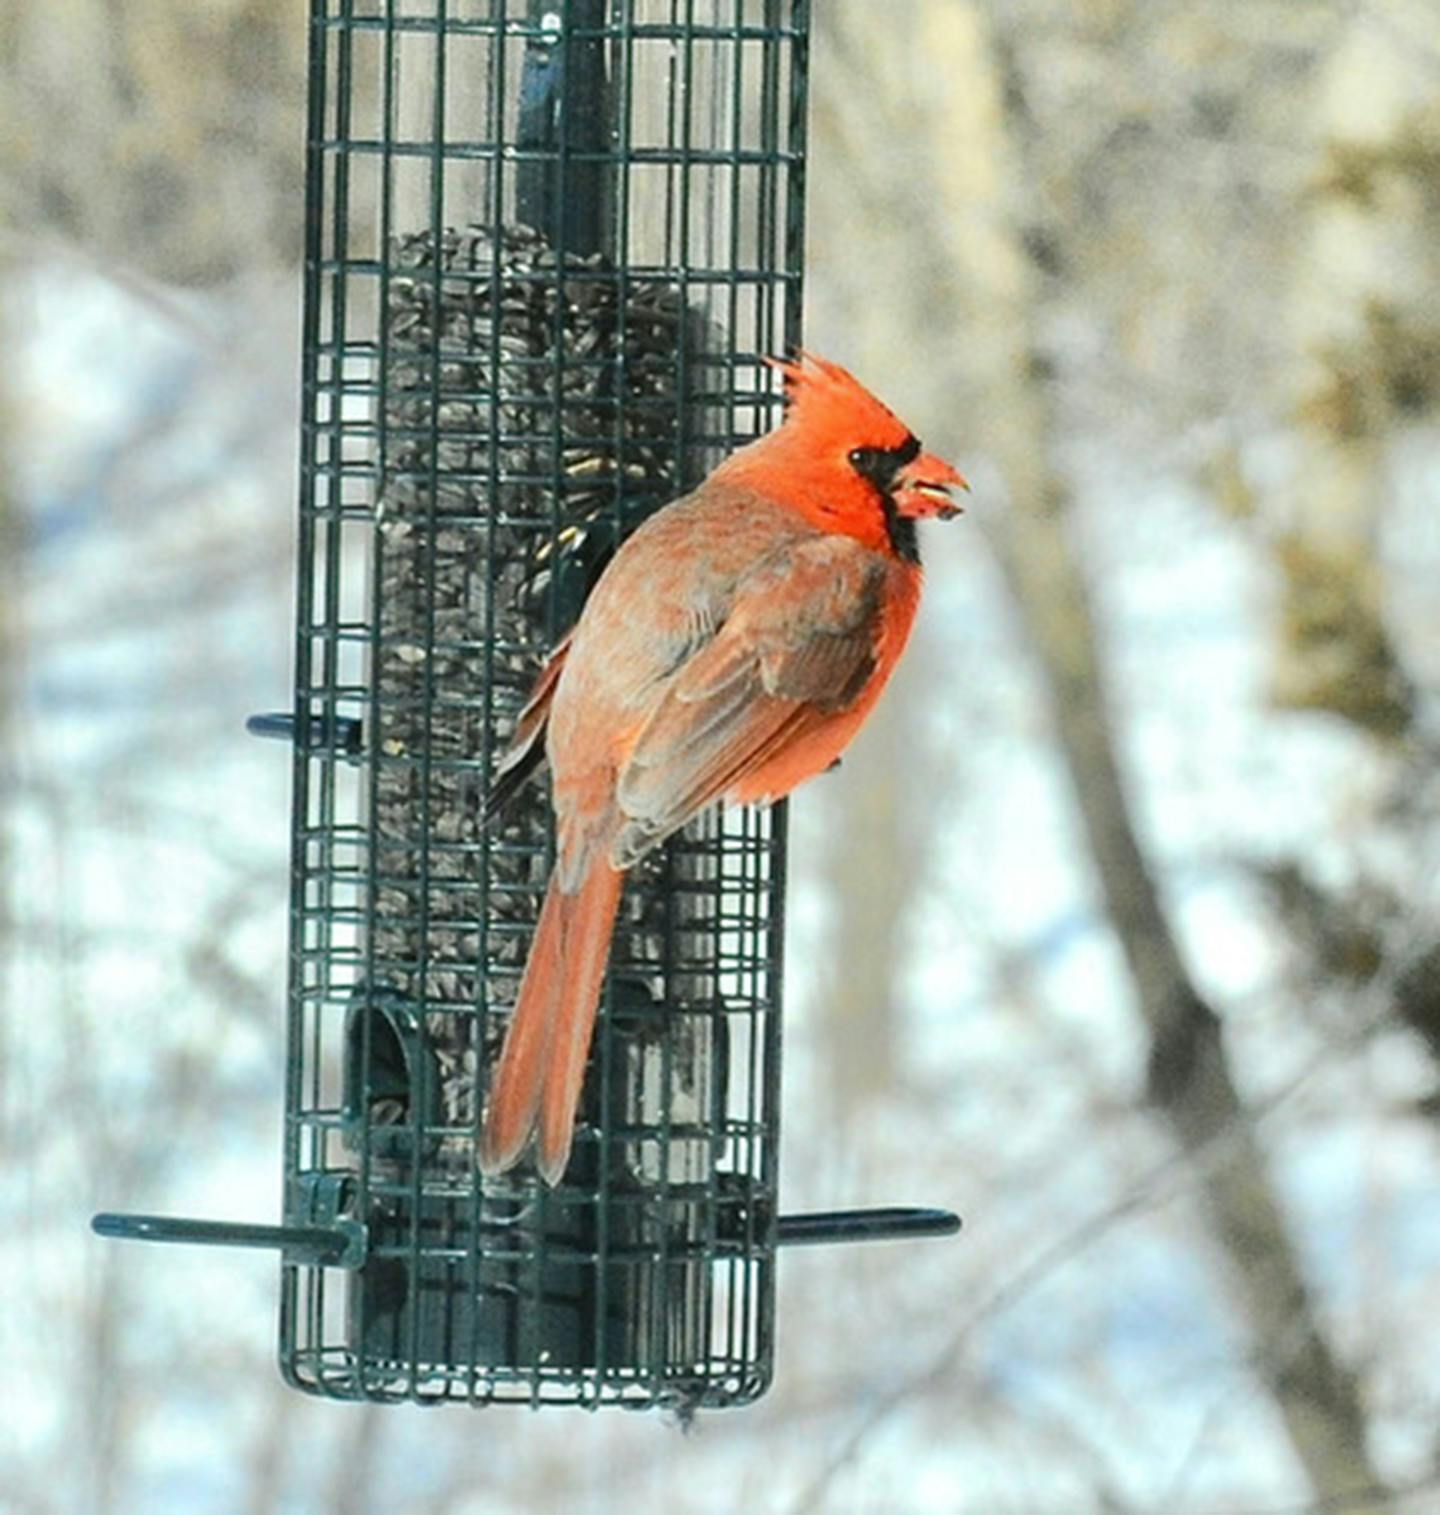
<point>1119,931</point>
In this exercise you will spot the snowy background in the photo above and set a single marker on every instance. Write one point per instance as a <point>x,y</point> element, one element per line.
<point>1162,274</point>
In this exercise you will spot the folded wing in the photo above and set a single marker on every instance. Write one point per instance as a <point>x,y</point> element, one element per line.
<point>795,653</point>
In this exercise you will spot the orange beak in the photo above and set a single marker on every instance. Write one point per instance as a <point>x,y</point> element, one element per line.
<point>922,487</point>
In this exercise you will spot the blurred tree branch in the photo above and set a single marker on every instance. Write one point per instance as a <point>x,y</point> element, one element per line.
<point>961,210</point>
<point>1356,938</point>
<point>1364,371</point>
<point>1153,1190</point>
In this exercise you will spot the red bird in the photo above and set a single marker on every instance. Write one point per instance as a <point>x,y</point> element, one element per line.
<point>730,650</point>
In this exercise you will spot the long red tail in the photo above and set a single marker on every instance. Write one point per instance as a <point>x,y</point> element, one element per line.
<point>542,1064</point>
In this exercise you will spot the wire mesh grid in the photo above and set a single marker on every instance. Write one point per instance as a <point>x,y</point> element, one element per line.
<point>548,248</point>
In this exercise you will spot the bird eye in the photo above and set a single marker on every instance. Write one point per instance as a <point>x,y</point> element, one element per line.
<point>860,457</point>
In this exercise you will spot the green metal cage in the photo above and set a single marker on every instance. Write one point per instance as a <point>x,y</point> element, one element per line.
<point>549,247</point>
<point>551,244</point>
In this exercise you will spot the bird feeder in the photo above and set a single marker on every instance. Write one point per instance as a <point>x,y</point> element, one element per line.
<point>549,247</point>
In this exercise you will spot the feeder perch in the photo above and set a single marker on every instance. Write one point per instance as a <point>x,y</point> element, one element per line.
<point>549,246</point>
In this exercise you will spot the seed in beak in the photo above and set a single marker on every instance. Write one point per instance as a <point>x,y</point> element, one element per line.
<point>940,492</point>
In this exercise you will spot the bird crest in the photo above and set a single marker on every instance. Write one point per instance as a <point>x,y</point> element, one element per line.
<point>820,396</point>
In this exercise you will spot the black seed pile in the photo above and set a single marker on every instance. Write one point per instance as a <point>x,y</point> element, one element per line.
<point>530,417</point>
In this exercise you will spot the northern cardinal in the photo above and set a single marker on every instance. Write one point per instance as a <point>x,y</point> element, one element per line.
<point>730,650</point>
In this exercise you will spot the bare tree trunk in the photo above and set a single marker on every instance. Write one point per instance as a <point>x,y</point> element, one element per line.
<point>1190,1082</point>
<point>968,262</point>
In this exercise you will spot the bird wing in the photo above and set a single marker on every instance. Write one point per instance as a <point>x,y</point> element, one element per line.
<point>527,746</point>
<point>797,647</point>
